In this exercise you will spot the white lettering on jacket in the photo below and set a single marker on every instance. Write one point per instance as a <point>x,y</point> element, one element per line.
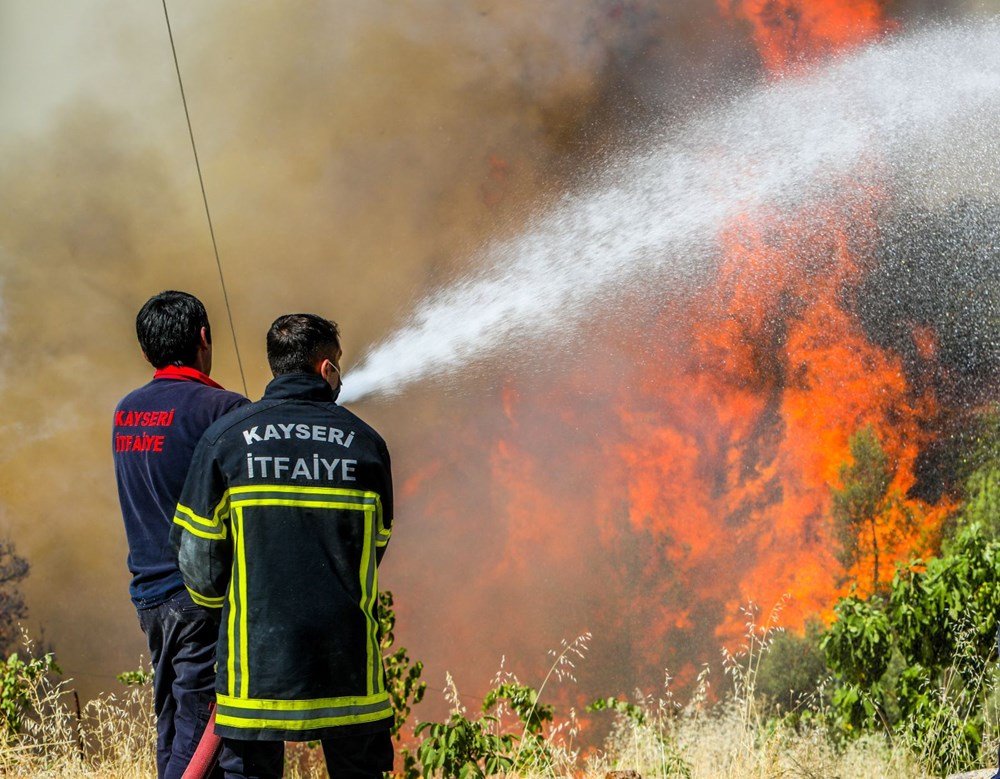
<point>284,432</point>
<point>315,468</point>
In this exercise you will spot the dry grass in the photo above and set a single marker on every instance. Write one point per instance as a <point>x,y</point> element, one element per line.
<point>111,737</point>
<point>715,743</point>
<point>739,738</point>
<point>114,737</point>
<point>734,740</point>
<point>722,744</point>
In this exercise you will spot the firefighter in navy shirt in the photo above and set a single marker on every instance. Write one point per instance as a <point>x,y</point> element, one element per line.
<point>281,525</point>
<point>156,429</point>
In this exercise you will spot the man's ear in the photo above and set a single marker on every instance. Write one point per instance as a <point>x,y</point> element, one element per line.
<point>146,358</point>
<point>205,343</point>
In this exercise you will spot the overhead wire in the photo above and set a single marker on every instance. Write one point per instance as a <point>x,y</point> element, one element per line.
<point>204,196</point>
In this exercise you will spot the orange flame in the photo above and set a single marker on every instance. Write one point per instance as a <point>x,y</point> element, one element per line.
<point>710,482</point>
<point>792,33</point>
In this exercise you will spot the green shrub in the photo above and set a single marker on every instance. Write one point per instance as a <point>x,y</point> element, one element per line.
<point>919,663</point>
<point>17,679</point>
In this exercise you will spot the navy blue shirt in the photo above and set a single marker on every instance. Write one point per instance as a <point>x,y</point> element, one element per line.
<point>156,429</point>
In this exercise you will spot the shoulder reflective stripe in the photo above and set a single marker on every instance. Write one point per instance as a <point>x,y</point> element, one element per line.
<point>211,536</point>
<point>333,498</point>
<point>361,496</point>
<point>306,502</point>
<point>383,532</point>
<point>213,528</point>
<point>205,600</point>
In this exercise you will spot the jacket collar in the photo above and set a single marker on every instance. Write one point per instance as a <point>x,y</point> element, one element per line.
<point>184,373</point>
<point>306,386</point>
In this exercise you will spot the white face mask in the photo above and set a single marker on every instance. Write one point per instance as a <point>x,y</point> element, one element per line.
<point>340,382</point>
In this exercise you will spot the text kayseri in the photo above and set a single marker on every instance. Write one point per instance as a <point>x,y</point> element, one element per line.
<point>280,432</point>
<point>313,469</point>
<point>144,418</point>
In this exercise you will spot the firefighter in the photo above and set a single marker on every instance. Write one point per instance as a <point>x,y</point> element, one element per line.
<point>156,429</point>
<point>281,525</point>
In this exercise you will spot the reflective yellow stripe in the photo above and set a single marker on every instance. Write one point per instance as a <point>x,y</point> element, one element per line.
<point>376,535</point>
<point>285,495</point>
<point>299,715</point>
<point>366,494</point>
<point>281,724</point>
<point>200,526</point>
<point>205,600</point>
<point>215,527</point>
<point>320,504</point>
<point>366,572</point>
<point>309,704</point>
<point>231,627</point>
<point>244,651</point>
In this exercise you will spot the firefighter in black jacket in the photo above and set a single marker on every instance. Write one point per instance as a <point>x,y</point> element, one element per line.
<point>284,517</point>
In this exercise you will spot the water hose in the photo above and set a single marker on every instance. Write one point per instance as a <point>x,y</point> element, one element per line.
<point>207,752</point>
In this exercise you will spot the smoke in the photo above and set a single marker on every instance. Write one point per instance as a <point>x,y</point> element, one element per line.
<point>356,158</point>
<point>353,157</point>
<point>935,276</point>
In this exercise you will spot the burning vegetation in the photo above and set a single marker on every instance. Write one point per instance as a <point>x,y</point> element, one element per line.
<point>785,431</point>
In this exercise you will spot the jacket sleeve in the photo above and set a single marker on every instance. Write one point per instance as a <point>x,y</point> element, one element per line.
<point>386,514</point>
<point>201,534</point>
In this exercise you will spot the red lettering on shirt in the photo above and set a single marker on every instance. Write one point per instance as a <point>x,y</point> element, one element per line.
<point>144,418</point>
<point>138,443</point>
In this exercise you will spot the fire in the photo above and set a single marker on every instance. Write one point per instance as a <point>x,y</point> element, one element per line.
<point>709,482</point>
<point>827,383</point>
<point>737,467</point>
<point>733,458</point>
<point>789,33</point>
<point>737,463</point>
<point>733,444</point>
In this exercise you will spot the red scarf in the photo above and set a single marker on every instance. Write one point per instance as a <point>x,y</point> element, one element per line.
<point>184,373</point>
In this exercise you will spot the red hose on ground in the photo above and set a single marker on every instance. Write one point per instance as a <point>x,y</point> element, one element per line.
<point>207,753</point>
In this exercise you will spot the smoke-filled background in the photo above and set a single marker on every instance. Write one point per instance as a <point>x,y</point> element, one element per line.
<point>642,478</point>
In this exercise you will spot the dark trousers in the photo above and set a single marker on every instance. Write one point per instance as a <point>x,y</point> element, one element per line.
<point>252,759</point>
<point>358,757</point>
<point>352,757</point>
<point>181,637</point>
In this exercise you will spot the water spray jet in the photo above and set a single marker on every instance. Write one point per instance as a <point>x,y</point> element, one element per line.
<point>651,221</point>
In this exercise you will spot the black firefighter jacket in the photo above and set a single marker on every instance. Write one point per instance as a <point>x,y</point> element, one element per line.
<point>284,516</point>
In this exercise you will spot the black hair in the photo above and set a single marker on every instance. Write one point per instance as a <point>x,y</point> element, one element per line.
<point>296,342</point>
<point>169,328</point>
